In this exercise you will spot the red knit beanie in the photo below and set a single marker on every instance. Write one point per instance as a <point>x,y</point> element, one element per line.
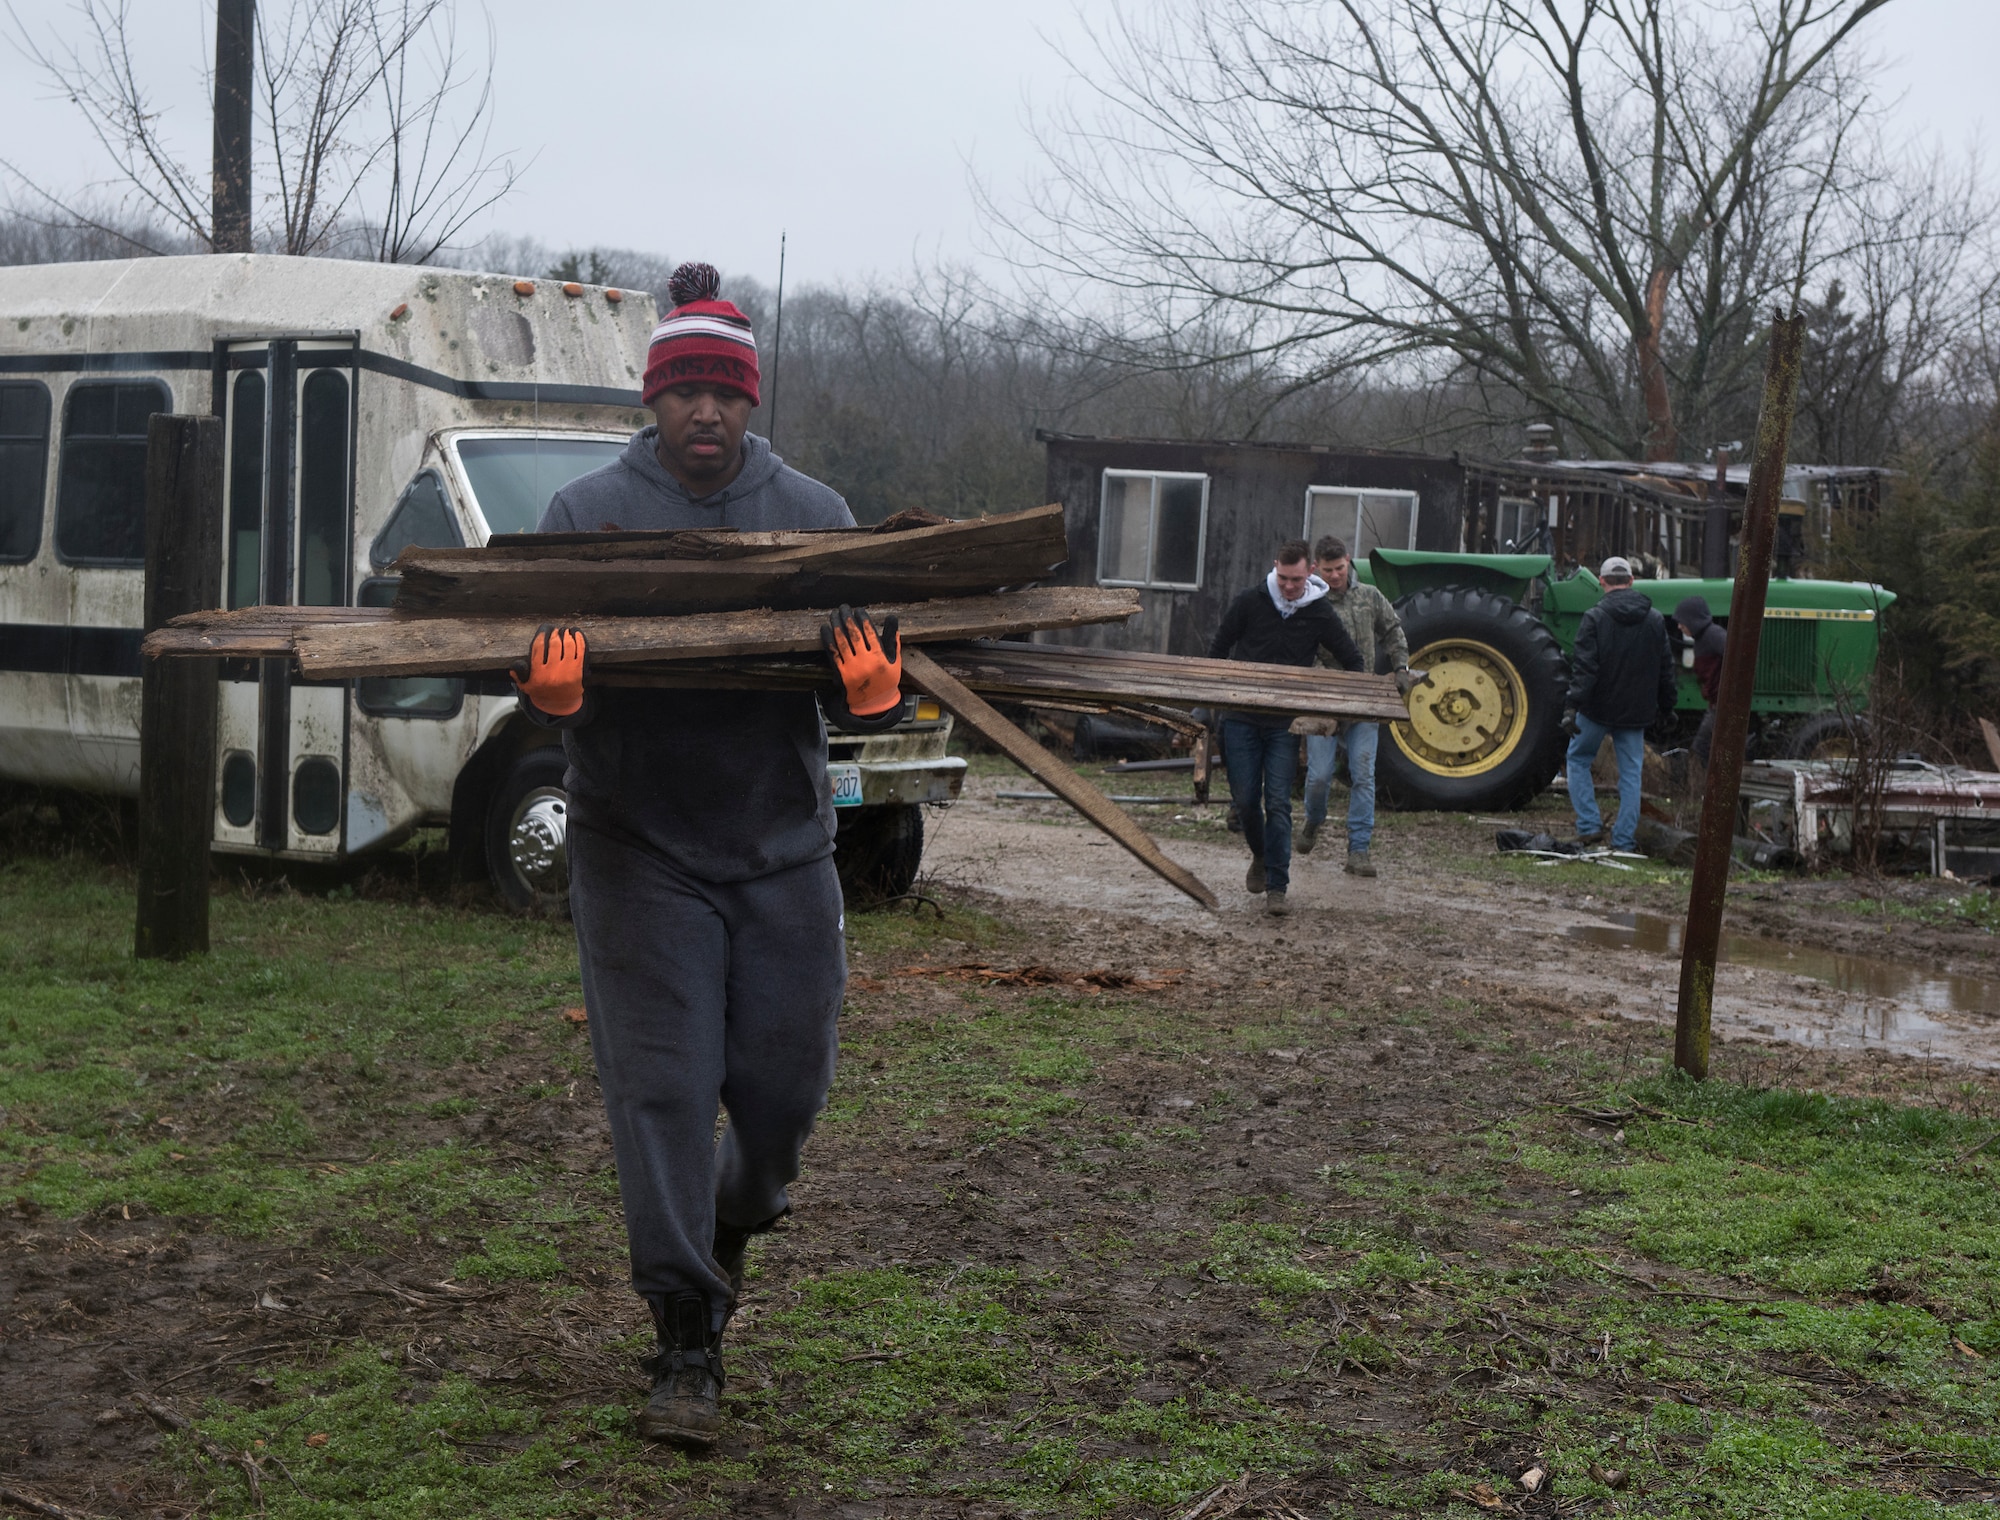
<point>703,340</point>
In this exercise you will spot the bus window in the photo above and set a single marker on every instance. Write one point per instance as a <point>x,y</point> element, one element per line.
<point>24,468</point>
<point>323,490</point>
<point>246,488</point>
<point>101,486</point>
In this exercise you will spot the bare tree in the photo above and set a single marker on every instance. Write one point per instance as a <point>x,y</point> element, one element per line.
<point>374,131</point>
<point>1582,208</point>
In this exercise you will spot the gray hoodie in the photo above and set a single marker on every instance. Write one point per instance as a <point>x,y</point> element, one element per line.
<point>727,785</point>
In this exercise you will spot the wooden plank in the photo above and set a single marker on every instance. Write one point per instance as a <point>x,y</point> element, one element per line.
<point>1047,670</point>
<point>1096,678</point>
<point>177,703</point>
<point>706,543</point>
<point>338,642</point>
<point>924,673</point>
<point>950,559</point>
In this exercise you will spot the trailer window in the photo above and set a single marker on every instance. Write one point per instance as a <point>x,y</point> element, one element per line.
<point>513,479</point>
<point>101,486</point>
<point>24,468</point>
<point>1363,520</point>
<point>1152,529</point>
<point>1519,518</point>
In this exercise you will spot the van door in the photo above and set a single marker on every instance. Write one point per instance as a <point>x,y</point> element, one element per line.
<point>289,503</point>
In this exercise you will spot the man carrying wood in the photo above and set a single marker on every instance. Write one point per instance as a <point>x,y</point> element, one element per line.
<point>1285,620</point>
<point>708,914</point>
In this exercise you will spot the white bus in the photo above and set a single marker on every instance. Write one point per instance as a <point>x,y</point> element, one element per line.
<point>366,407</point>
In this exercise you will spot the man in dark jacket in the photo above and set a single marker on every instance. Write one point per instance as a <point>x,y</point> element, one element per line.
<point>1283,620</point>
<point>1621,678</point>
<point>708,914</point>
<point>1709,642</point>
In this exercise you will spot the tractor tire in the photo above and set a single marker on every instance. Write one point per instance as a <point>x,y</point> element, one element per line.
<point>1485,729</point>
<point>878,851</point>
<point>527,833</point>
<point>1826,736</point>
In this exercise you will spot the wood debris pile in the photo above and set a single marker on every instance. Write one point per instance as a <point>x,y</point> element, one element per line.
<point>737,610</point>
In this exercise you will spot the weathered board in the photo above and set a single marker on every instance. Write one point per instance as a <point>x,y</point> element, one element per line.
<point>702,573</point>
<point>1088,677</point>
<point>1050,769</point>
<point>339,642</point>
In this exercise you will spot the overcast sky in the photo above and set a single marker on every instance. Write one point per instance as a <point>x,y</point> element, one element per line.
<point>702,130</point>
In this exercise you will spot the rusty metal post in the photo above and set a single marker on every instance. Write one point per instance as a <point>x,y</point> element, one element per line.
<point>1715,522</point>
<point>1702,939</point>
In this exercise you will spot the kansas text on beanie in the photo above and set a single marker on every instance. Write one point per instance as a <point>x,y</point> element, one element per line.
<point>704,340</point>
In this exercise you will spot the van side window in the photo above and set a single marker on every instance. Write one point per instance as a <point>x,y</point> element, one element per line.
<point>422,517</point>
<point>24,468</point>
<point>101,487</point>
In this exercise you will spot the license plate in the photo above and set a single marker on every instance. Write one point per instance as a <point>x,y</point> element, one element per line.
<point>846,781</point>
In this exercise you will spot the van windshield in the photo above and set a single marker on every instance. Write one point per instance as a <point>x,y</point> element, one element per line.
<point>513,478</point>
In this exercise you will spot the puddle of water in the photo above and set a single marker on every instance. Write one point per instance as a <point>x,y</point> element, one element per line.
<point>1858,975</point>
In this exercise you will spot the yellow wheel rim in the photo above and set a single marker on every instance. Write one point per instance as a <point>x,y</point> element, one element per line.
<point>1469,716</point>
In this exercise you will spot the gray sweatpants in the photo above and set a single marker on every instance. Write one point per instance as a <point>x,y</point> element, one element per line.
<point>702,993</point>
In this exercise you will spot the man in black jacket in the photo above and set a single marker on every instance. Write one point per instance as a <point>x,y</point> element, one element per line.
<point>1284,620</point>
<point>1621,678</point>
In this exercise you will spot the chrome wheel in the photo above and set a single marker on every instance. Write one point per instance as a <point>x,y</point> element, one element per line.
<point>537,842</point>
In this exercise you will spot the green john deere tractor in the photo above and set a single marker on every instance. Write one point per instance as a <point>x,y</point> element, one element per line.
<point>1495,630</point>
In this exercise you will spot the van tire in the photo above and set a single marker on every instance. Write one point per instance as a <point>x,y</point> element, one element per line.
<point>527,822</point>
<point>878,852</point>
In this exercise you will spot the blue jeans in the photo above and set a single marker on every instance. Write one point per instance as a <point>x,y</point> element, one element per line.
<point>1629,745</point>
<point>1321,755</point>
<point>1262,763</point>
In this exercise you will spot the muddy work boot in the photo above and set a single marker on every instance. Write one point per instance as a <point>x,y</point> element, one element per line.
<point>1308,837</point>
<point>685,1408</point>
<point>1253,879</point>
<point>1276,905</point>
<point>1358,863</point>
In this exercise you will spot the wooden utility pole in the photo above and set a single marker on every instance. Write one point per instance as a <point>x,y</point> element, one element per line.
<point>229,212</point>
<point>178,697</point>
<point>1703,937</point>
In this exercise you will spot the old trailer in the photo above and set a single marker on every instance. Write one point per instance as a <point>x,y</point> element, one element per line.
<point>367,408</point>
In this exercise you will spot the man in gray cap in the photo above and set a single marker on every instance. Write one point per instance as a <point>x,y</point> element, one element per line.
<point>1622,677</point>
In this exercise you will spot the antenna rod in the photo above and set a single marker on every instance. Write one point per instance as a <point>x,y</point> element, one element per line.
<point>777,347</point>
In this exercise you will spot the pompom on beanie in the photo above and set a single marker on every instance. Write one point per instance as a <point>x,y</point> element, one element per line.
<point>704,340</point>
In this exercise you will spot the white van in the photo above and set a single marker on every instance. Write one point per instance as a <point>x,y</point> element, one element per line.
<point>366,407</point>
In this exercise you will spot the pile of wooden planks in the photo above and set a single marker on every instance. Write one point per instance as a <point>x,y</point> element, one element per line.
<point>744,610</point>
<point>669,574</point>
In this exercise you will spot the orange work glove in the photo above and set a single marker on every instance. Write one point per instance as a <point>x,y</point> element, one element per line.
<point>871,671</point>
<point>552,675</point>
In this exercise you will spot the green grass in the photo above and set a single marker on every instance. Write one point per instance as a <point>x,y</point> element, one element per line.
<point>1802,1192</point>
<point>1965,908</point>
<point>323,1075</point>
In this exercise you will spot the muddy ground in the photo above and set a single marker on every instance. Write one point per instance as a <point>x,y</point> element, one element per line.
<point>1458,909</point>
<point>1105,1214</point>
